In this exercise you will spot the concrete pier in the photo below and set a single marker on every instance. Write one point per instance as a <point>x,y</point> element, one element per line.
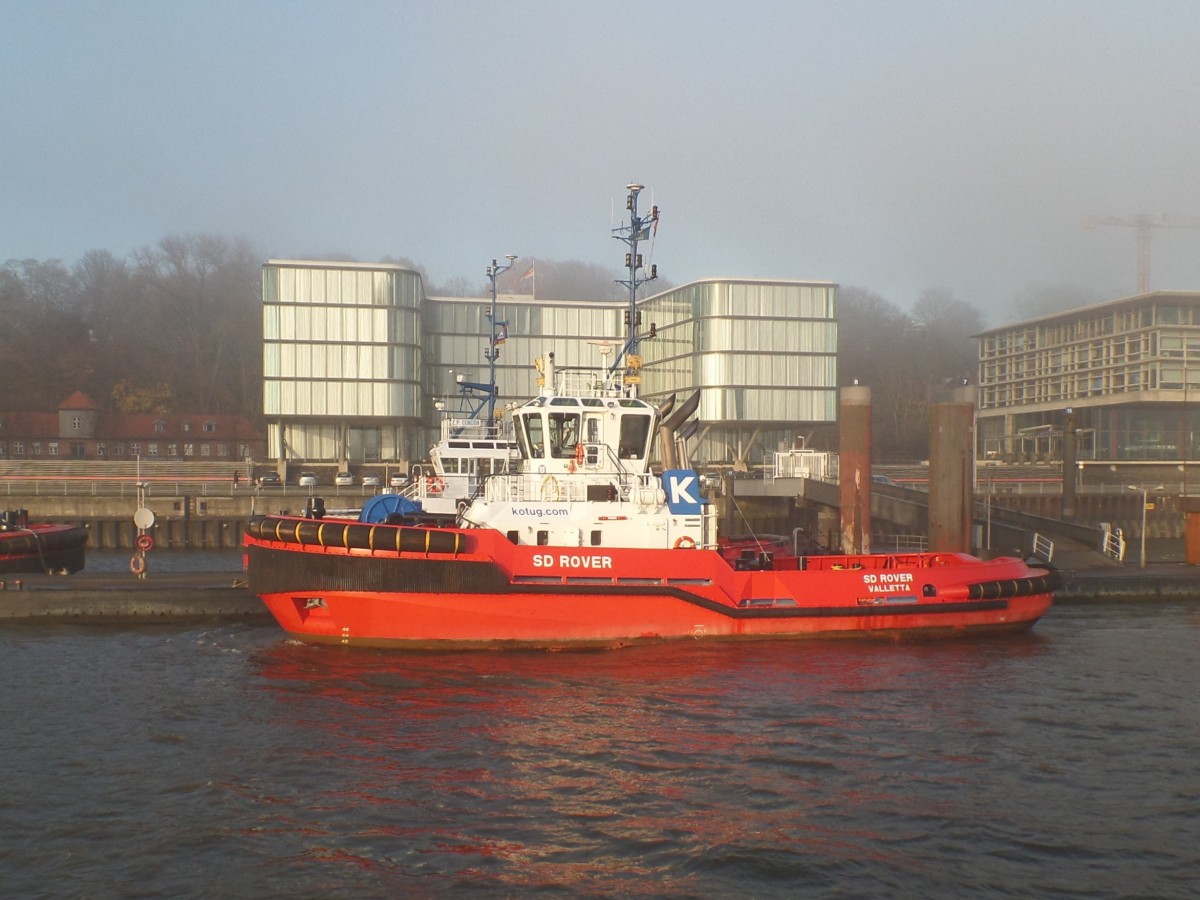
<point>122,597</point>
<point>1124,584</point>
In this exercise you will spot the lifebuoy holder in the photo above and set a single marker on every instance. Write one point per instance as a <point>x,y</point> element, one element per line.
<point>686,542</point>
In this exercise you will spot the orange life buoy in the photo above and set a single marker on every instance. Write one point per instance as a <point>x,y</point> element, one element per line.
<point>137,564</point>
<point>144,542</point>
<point>434,484</point>
<point>579,454</point>
<point>685,543</point>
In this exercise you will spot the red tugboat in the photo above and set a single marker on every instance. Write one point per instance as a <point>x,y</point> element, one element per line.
<point>578,543</point>
<point>40,547</point>
<point>584,546</point>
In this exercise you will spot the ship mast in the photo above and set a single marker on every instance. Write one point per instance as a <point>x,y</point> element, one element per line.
<point>498,331</point>
<point>638,230</point>
<point>482,395</point>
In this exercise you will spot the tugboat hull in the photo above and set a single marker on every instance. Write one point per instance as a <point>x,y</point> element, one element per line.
<point>483,592</point>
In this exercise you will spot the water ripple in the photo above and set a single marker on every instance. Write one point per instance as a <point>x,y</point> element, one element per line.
<point>230,762</point>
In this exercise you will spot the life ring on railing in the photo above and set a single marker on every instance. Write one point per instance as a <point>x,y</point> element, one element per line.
<point>579,454</point>
<point>137,564</point>
<point>550,487</point>
<point>434,484</point>
<point>687,542</point>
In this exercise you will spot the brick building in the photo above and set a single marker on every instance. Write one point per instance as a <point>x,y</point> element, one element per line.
<point>81,430</point>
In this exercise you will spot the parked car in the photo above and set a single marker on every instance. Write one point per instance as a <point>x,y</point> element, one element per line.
<point>307,479</point>
<point>343,479</point>
<point>398,480</point>
<point>883,479</point>
<point>371,481</point>
<point>270,479</point>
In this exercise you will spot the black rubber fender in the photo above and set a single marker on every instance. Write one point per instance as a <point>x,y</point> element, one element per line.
<point>356,535</point>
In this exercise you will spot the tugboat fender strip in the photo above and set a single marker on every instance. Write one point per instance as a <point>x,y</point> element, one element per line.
<point>357,535</point>
<point>1014,587</point>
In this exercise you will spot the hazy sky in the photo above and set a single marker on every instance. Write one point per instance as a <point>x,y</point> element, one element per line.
<point>896,146</point>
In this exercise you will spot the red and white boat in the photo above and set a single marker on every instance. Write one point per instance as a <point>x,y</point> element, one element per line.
<point>576,542</point>
<point>583,545</point>
<point>40,546</point>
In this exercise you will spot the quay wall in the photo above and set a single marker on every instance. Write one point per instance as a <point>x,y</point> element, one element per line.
<point>182,521</point>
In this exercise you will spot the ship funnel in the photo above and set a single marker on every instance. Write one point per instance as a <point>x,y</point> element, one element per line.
<point>685,434</point>
<point>666,430</point>
<point>667,406</point>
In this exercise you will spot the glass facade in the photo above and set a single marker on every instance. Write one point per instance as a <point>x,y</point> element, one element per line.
<point>762,353</point>
<point>342,360</point>
<point>1128,370</point>
<point>355,358</point>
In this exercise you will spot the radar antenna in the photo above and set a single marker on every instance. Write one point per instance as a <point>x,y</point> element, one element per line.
<point>640,228</point>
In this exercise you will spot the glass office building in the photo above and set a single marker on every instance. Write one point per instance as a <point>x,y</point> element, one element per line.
<point>342,361</point>
<point>1128,371</point>
<point>761,352</point>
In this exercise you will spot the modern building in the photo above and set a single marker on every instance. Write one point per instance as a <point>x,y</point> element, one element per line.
<point>358,361</point>
<point>1126,371</point>
<point>342,361</point>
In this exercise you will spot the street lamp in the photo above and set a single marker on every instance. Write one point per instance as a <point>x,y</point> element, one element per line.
<point>1134,487</point>
<point>1145,505</point>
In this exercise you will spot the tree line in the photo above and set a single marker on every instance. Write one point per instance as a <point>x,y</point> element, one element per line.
<point>173,328</point>
<point>178,328</point>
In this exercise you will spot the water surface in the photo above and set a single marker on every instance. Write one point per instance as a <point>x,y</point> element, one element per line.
<point>228,761</point>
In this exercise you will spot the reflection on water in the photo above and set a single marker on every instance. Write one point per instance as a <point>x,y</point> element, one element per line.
<point>100,561</point>
<point>1062,761</point>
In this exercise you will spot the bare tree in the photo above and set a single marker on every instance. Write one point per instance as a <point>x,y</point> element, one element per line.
<point>44,338</point>
<point>908,360</point>
<point>201,309</point>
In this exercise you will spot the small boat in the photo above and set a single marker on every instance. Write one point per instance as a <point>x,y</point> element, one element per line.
<point>39,547</point>
<point>578,542</point>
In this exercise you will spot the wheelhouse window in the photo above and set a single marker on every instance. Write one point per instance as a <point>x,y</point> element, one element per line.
<point>534,437</point>
<point>564,434</point>
<point>635,431</point>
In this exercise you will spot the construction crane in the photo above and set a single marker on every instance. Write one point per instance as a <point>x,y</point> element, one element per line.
<point>1144,225</point>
